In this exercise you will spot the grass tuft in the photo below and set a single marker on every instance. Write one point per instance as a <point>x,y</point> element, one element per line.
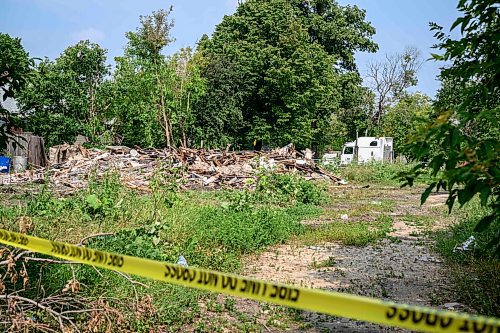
<point>349,233</point>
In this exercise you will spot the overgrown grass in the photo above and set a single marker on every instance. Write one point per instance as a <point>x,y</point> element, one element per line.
<point>211,230</point>
<point>375,173</point>
<point>475,273</point>
<point>348,233</point>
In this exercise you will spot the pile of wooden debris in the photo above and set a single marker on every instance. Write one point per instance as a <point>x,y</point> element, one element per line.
<point>70,166</point>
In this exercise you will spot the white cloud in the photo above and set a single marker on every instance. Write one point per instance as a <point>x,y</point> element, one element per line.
<point>92,34</point>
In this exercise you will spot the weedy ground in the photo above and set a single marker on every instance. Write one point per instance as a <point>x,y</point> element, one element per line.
<point>374,241</point>
<point>210,229</point>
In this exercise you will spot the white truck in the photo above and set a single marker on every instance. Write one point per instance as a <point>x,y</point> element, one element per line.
<point>366,149</point>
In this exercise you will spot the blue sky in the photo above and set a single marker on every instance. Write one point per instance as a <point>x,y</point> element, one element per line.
<point>47,27</point>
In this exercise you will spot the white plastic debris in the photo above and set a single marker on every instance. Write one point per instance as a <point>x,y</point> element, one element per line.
<point>453,306</point>
<point>267,164</point>
<point>465,246</point>
<point>134,153</point>
<point>308,154</point>
<point>343,182</point>
<point>344,217</point>
<point>110,122</point>
<point>182,261</point>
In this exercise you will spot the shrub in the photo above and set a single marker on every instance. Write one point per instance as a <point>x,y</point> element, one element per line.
<point>286,188</point>
<point>102,195</point>
<point>475,272</point>
<point>469,215</point>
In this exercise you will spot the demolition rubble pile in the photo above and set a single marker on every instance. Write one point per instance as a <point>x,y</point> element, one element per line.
<point>70,166</point>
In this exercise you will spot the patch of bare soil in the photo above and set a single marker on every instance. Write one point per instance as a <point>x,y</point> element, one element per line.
<point>400,268</point>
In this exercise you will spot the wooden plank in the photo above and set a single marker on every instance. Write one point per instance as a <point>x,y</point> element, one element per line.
<point>30,146</point>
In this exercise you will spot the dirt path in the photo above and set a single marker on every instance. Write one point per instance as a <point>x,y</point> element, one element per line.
<point>400,267</point>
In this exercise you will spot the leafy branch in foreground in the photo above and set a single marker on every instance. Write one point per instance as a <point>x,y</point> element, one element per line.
<point>461,141</point>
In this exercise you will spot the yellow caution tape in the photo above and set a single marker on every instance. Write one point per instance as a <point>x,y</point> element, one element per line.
<point>332,303</point>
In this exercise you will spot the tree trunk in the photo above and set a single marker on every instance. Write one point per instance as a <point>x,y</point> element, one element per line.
<point>166,120</point>
<point>165,127</point>
<point>92,104</point>
<point>379,112</point>
<point>183,122</point>
<point>91,108</point>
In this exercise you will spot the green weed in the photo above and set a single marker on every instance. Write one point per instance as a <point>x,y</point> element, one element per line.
<point>229,304</point>
<point>280,190</point>
<point>161,226</point>
<point>468,216</point>
<point>475,272</point>
<point>477,284</point>
<point>375,173</point>
<point>239,200</point>
<point>349,233</point>
<point>285,189</point>
<point>330,262</point>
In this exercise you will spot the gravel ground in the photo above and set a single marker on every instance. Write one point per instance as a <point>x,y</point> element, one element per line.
<point>400,268</point>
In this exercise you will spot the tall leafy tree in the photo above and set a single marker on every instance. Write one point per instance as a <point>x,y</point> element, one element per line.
<point>187,87</point>
<point>15,68</point>
<point>340,30</point>
<point>143,80</point>
<point>60,100</point>
<point>284,64</point>
<point>218,114</point>
<point>403,120</point>
<point>149,40</point>
<point>465,127</point>
<point>352,118</point>
<point>134,103</point>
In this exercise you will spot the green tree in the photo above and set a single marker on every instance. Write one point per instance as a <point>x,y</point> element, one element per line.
<point>143,80</point>
<point>133,102</point>
<point>15,68</point>
<point>465,127</point>
<point>404,119</point>
<point>60,99</point>
<point>353,117</point>
<point>340,30</point>
<point>187,87</point>
<point>218,113</point>
<point>148,41</point>
<point>284,63</point>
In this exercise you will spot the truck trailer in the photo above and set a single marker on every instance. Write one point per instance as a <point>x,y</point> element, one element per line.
<point>368,149</point>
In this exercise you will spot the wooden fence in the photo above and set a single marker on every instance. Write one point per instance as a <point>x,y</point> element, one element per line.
<point>30,146</point>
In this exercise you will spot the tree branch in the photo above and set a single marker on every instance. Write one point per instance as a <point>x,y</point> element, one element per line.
<point>83,240</point>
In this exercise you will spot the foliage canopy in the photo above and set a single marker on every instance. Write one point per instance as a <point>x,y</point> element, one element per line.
<point>283,64</point>
<point>60,99</point>
<point>462,138</point>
